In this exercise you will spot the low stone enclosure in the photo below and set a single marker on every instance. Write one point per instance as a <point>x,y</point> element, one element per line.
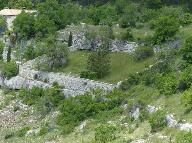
<point>70,85</point>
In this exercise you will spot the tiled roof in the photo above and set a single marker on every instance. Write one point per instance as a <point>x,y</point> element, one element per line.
<point>14,12</point>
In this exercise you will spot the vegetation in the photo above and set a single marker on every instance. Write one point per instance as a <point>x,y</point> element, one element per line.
<point>157,72</point>
<point>9,69</point>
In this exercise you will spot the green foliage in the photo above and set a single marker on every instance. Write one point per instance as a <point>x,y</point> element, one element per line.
<point>19,4</point>
<point>57,54</point>
<point>129,18</point>
<point>184,137</point>
<point>29,53</point>
<point>154,4</point>
<point>70,41</point>
<point>105,133</point>
<point>88,75</point>
<point>99,61</point>
<point>43,98</point>
<point>22,131</point>
<point>132,80</point>
<point>9,69</point>
<point>143,52</point>
<point>24,25</point>
<point>44,26</point>
<point>186,100</point>
<point>1,49</point>
<point>157,121</point>
<point>167,84</point>
<point>186,76</point>
<point>76,109</point>
<point>186,50</point>
<point>44,129</point>
<point>128,35</point>
<point>165,29</point>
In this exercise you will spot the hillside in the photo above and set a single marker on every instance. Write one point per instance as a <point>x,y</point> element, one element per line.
<point>112,71</point>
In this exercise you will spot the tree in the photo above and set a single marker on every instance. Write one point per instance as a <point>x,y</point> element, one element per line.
<point>70,41</point>
<point>57,54</point>
<point>24,25</point>
<point>165,29</point>
<point>99,61</point>
<point>20,4</point>
<point>44,26</point>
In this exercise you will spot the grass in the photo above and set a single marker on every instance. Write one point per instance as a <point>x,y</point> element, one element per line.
<point>122,64</point>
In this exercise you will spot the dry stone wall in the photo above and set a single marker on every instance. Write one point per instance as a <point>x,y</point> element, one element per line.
<point>71,85</point>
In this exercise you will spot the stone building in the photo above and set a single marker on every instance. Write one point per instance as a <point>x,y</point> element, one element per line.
<point>11,14</point>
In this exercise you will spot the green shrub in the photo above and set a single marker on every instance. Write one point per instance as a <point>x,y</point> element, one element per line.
<point>10,69</point>
<point>76,109</point>
<point>143,52</point>
<point>157,121</point>
<point>186,76</point>
<point>127,35</point>
<point>22,131</point>
<point>186,50</point>
<point>144,115</point>
<point>105,133</point>
<point>167,84</point>
<point>132,80</point>
<point>165,29</point>
<point>44,129</point>
<point>186,100</point>
<point>29,53</point>
<point>88,74</point>
<point>184,137</point>
<point>9,135</point>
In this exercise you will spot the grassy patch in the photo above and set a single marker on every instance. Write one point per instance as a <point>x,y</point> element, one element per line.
<point>122,64</point>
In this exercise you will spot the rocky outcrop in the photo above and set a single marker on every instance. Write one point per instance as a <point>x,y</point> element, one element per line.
<point>81,42</point>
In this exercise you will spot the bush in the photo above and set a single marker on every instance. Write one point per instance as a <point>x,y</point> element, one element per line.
<point>29,53</point>
<point>186,76</point>
<point>88,74</point>
<point>76,109</point>
<point>127,35</point>
<point>167,84</point>
<point>9,69</point>
<point>186,100</point>
<point>132,80</point>
<point>143,52</point>
<point>186,50</point>
<point>157,121</point>
<point>184,137</point>
<point>22,131</point>
<point>165,29</point>
<point>105,133</point>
